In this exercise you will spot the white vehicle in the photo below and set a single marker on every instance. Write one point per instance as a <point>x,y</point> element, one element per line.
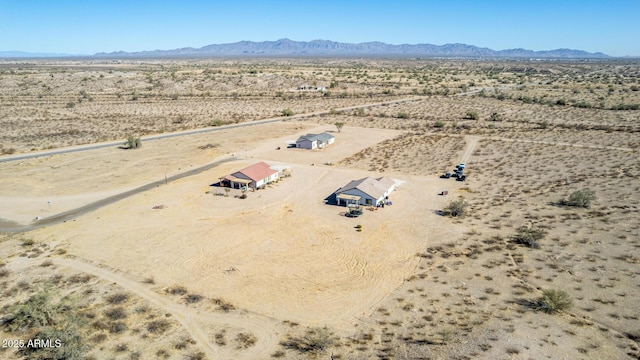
<point>461,166</point>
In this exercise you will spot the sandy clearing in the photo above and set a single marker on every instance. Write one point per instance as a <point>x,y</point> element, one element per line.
<point>280,253</point>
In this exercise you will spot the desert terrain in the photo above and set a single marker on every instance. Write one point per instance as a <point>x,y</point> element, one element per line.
<point>179,268</point>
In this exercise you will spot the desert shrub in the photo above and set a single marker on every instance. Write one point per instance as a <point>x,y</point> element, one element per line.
<point>8,151</point>
<point>403,115</point>
<point>193,298</point>
<point>245,340</point>
<point>27,242</point>
<point>116,313</point>
<point>287,112</point>
<point>581,198</point>
<point>495,117</point>
<point>177,290</point>
<point>117,327</point>
<point>471,115</point>
<point>79,278</point>
<point>339,125</point>
<point>316,340</point>
<point>158,326</point>
<point>133,142</point>
<point>4,273</point>
<point>118,298</point>
<point>438,124</point>
<point>36,312</point>
<point>455,208</point>
<point>46,263</point>
<point>224,305</point>
<point>196,356</point>
<point>529,236</point>
<point>217,122</point>
<point>553,301</point>
<point>66,344</point>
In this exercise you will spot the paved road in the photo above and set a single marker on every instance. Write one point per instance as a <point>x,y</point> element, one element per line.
<point>192,132</point>
<point>71,214</point>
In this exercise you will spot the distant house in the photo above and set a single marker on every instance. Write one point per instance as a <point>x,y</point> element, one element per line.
<point>311,88</point>
<point>365,191</point>
<point>254,176</point>
<point>315,141</point>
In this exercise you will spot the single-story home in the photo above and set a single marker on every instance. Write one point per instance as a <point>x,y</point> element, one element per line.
<point>315,141</point>
<point>254,176</point>
<point>365,191</point>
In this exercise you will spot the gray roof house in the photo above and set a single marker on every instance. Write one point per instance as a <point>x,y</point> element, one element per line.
<point>315,141</point>
<point>365,191</point>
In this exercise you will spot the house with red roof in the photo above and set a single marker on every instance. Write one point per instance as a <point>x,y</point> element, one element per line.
<point>254,176</point>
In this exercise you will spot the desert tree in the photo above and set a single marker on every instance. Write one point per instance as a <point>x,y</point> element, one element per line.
<point>339,125</point>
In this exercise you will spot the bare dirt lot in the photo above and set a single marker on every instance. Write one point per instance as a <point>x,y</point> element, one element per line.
<point>189,270</point>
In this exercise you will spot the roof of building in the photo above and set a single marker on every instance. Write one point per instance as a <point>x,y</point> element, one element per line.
<point>370,186</point>
<point>313,137</point>
<point>257,171</point>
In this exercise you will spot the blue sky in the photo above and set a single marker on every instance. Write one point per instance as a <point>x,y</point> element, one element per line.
<point>90,26</point>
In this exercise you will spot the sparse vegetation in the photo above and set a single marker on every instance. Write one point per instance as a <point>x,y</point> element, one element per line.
<point>315,341</point>
<point>581,198</point>
<point>554,301</point>
<point>530,236</point>
<point>471,115</point>
<point>456,208</point>
<point>132,142</point>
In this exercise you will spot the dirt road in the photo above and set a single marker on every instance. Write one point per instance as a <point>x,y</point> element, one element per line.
<point>191,319</point>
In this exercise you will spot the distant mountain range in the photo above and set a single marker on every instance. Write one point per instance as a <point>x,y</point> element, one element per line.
<point>287,47</point>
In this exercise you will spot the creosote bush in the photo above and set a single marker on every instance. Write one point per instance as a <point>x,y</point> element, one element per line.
<point>455,208</point>
<point>529,236</point>
<point>316,340</point>
<point>133,142</point>
<point>581,198</point>
<point>471,115</point>
<point>554,301</point>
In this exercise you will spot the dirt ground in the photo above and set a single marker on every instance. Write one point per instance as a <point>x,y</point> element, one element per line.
<point>248,278</point>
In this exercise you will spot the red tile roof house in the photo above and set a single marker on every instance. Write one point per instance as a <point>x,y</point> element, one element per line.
<point>254,176</point>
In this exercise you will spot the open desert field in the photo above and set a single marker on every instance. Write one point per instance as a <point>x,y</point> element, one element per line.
<point>154,260</point>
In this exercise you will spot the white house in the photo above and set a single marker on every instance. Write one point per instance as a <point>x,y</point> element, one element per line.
<point>254,176</point>
<point>365,191</point>
<point>315,141</point>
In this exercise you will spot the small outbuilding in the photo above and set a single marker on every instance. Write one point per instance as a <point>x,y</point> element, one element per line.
<point>366,191</point>
<point>254,176</point>
<point>315,141</point>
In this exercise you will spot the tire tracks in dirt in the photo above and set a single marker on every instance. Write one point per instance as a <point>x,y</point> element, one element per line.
<point>472,142</point>
<point>261,327</point>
